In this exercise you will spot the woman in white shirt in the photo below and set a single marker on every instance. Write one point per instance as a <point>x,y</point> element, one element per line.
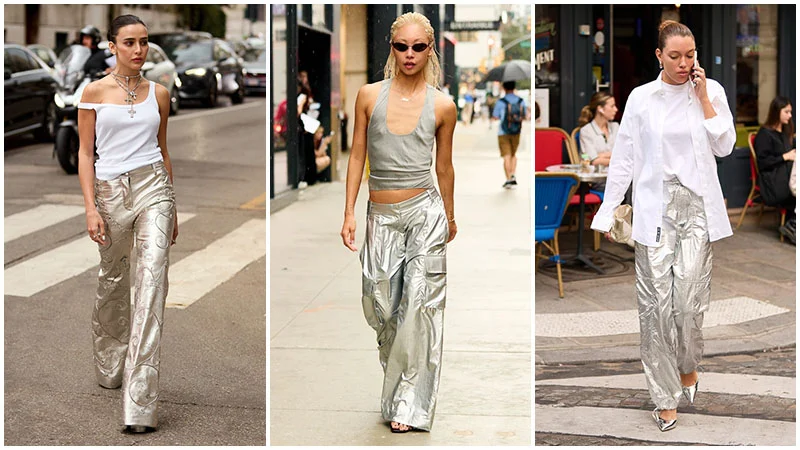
<point>671,130</point>
<point>598,133</point>
<point>130,203</point>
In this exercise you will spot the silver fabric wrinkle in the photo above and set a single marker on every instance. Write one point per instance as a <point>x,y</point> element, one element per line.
<point>673,290</point>
<point>138,208</point>
<point>404,289</point>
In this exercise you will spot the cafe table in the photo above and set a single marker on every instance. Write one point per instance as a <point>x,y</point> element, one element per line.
<point>593,176</point>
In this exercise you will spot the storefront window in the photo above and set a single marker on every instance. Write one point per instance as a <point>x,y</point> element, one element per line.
<point>547,61</point>
<point>278,100</point>
<point>756,62</point>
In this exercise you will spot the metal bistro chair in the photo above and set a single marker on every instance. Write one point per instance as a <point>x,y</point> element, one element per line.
<point>553,191</point>
<point>755,190</point>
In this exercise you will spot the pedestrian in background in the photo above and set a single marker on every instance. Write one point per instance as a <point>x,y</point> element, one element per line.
<point>775,151</point>
<point>510,110</point>
<point>130,203</point>
<point>409,223</point>
<point>672,129</point>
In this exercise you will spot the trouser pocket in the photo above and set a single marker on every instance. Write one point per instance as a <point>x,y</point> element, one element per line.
<point>435,281</point>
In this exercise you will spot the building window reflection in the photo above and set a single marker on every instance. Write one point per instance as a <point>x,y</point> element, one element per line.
<point>756,62</point>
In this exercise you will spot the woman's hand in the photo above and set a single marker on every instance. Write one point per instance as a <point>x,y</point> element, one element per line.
<point>699,77</point>
<point>349,232</point>
<point>175,230</point>
<point>452,230</point>
<point>790,155</point>
<point>96,227</point>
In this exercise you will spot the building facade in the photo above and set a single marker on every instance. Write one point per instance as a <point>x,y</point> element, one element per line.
<point>56,26</point>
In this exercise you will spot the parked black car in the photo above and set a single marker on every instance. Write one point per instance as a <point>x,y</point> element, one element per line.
<point>255,72</point>
<point>29,91</point>
<point>207,66</point>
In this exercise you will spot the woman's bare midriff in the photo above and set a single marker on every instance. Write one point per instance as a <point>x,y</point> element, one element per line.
<point>394,195</point>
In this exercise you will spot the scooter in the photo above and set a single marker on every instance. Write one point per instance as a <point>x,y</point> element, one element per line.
<point>66,99</point>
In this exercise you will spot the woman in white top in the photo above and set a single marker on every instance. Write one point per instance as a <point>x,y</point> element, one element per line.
<point>671,130</point>
<point>598,133</point>
<point>130,203</point>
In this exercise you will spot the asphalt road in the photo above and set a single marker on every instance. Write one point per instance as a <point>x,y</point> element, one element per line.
<point>213,369</point>
<point>742,399</point>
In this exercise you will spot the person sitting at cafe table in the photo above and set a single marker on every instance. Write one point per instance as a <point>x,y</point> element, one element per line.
<point>598,133</point>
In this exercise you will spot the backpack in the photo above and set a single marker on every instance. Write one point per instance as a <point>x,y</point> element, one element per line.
<point>512,124</point>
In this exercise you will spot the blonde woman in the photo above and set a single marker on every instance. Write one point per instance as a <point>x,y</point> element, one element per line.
<point>409,223</point>
<point>672,129</point>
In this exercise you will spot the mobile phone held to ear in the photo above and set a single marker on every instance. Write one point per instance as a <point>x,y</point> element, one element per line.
<point>694,83</point>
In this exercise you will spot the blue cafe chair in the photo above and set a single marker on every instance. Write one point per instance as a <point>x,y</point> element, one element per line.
<point>553,192</point>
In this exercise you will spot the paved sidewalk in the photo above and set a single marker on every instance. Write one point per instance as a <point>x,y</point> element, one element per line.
<point>325,379</point>
<point>753,302</point>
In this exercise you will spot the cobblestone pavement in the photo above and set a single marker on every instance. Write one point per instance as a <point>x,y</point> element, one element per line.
<point>777,362</point>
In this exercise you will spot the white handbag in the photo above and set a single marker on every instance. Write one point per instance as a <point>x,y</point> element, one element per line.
<point>621,229</point>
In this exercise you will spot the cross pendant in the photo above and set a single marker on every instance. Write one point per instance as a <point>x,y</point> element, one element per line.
<point>132,111</point>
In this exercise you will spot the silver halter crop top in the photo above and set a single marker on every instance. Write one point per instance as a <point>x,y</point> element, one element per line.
<point>400,161</point>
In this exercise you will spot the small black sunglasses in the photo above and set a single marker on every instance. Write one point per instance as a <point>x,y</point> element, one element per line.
<point>400,47</point>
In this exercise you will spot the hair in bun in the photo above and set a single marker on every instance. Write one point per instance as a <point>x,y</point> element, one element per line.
<point>669,28</point>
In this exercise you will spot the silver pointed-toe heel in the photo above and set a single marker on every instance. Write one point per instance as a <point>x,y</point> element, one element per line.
<point>664,425</point>
<point>690,391</point>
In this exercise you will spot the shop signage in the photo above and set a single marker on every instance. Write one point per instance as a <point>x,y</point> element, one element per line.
<point>473,25</point>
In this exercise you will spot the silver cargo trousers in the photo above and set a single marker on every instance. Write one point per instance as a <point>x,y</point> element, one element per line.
<point>673,289</point>
<point>138,209</point>
<point>403,287</point>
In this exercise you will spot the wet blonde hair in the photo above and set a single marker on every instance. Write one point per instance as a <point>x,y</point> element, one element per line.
<point>432,70</point>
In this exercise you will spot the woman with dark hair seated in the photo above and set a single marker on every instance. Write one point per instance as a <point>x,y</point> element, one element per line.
<point>775,152</point>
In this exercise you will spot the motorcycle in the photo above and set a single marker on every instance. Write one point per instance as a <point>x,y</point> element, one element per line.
<point>66,99</point>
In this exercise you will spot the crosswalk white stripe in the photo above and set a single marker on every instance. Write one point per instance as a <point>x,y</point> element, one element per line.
<point>196,275</point>
<point>26,222</point>
<point>637,424</point>
<point>721,383</point>
<point>605,323</point>
<point>55,266</point>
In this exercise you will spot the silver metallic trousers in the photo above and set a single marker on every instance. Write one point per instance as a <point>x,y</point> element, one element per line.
<point>138,209</point>
<point>403,296</point>
<point>673,289</point>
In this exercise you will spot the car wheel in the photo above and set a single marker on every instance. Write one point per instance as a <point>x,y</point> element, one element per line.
<point>211,100</point>
<point>47,132</point>
<point>174,102</point>
<point>238,96</point>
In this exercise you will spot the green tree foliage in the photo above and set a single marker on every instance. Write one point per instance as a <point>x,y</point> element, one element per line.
<point>510,32</point>
<point>208,18</point>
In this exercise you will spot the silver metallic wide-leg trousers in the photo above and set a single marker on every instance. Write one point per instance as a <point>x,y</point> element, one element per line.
<point>138,209</point>
<point>673,289</point>
<point>403,286</point>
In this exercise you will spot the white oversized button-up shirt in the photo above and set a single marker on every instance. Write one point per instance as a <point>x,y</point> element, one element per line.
<point>638,156</point>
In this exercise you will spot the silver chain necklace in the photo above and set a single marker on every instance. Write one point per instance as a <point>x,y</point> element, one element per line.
<point>131,93</point>
<point>407,99</point>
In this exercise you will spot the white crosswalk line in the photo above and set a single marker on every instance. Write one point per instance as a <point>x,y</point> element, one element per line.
<point>196,275</point>
<point>721,383</point>
<point>605,323</point>
<point>637,424</point>
<point>55,266</point>
<point>17,225</point>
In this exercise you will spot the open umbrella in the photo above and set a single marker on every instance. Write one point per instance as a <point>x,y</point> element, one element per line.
<point>515,70</point>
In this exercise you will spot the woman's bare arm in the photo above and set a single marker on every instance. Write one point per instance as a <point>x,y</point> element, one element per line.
<point>446,110</point>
